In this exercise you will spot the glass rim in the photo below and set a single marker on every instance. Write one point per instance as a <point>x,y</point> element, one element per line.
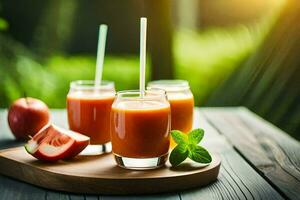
<point>169,85</point>
<point>90,84</point>
<point>156,94</point>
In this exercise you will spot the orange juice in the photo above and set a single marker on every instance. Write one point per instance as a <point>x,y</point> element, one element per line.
<point>90,116</point>
<point>89,108</point>
<point>181,114</point>
<point>182,103</point>
<point>140,129</point>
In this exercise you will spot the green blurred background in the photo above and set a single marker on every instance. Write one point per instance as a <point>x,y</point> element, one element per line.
<point>46,44</point>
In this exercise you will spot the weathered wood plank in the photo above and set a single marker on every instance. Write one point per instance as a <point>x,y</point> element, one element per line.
<point>50,195</point>
<point>5,134</point>
<point>237,180</point>
<point>286,142</point>
<point>76,197</point>
<point>91,197</point>
<point>272,152</point>
<point>11,189</point>
<point>148,197</point>
<point>58,117</point>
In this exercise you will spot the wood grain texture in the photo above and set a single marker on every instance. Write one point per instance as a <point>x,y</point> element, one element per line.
<point>56,196</point>
<point>152,197</point>
<point>59,117</point>
<point>237,180</point>
<point>101,175</point>
<point>12,189</point>
<point>269,150</point>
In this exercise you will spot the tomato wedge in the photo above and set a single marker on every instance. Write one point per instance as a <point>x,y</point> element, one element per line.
<point>53,143</point>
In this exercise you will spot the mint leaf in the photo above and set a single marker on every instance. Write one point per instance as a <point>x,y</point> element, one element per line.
<point>195,136</point>
<point>199,154</point>
<point>187,146</point>
<point>178,154</point>
<point>179,137</point>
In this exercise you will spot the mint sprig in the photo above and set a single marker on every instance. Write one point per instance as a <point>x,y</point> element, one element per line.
<point>187,147</point>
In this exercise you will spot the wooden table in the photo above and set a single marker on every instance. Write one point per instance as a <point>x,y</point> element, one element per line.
<point>259,161</point>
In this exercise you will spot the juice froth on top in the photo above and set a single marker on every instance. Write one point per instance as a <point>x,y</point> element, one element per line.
<point>140,105</point>
<point>91,95</point>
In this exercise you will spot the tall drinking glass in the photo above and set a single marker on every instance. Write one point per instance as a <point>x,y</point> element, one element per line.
<point>89,108</point>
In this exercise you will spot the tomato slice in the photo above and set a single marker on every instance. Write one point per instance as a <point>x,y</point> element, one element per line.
<point>52,143</point>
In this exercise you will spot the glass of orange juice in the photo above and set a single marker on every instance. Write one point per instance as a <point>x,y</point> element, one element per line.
<point>89,107</point>
<point>182,103</point>
<point>140,128</point>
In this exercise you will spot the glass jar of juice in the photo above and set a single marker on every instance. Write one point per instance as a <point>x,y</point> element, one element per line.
<point>89,108</point>
<point>182,103</point>
<point>140,128</point>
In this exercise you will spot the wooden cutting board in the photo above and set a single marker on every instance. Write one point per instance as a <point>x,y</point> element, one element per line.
<point>100,175</point>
